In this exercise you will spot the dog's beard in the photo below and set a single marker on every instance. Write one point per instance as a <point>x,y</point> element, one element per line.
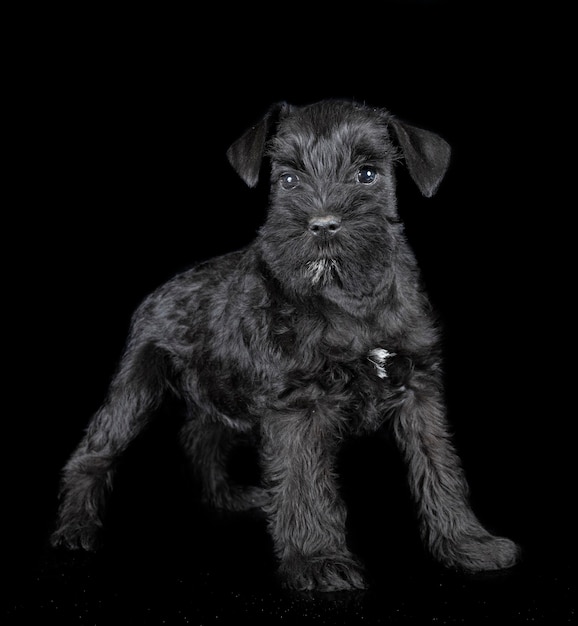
<point>322,271</point>
<point>305,268</point>
<point>355,260</point>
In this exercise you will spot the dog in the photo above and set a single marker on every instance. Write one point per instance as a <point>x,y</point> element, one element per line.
<point>318,330</point>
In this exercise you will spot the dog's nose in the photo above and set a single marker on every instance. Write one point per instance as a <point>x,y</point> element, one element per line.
<point>325,225</point>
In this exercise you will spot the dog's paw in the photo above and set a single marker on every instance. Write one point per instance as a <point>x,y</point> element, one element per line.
<point>483,553</point>
<point>76,538</point>
<point>322,573</point>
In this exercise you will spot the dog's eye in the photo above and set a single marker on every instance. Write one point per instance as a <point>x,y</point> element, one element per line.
<point>366,175</point>
<point>289,180</point>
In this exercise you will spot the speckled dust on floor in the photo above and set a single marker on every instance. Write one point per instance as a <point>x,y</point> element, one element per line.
<point>79,591</point>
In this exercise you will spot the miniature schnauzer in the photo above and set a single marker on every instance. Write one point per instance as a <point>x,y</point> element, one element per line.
<point>317,330</point>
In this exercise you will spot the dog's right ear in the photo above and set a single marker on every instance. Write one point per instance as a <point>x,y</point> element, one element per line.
<point>246,154</point>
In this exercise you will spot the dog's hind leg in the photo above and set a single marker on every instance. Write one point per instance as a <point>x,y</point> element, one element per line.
<point>208,443</point>
<point>449,526</point>
<point>135,392</point>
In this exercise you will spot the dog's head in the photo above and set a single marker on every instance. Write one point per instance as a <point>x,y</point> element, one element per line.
<point>333,221</point>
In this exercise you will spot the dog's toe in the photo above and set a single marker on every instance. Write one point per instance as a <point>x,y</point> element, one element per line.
<point>322,573</point>
<point>78,538</point>
<point>484,553</point>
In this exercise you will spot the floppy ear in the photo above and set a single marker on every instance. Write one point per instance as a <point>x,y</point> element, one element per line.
<point>426,154</point>
<point>246,154</point>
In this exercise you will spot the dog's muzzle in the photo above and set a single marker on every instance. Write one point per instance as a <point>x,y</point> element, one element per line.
<point>324,226</point>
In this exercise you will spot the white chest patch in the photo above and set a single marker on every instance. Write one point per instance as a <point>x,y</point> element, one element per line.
<point>379,356</point>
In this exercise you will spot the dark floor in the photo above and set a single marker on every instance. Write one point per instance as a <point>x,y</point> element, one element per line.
<point>168,560</point>
<point>120,146</point>
<point>73,591</point>
<point>196,587</point>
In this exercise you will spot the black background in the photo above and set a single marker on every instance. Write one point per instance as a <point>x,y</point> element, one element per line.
<point>117,179</point>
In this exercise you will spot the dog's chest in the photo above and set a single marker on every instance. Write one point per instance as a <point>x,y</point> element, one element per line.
<point>325,334</point>
<point>336,351</point>
<point>328,362</point>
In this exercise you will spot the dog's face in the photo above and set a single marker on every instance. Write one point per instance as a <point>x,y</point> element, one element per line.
<point>332,209</point>
<point>332,220</point>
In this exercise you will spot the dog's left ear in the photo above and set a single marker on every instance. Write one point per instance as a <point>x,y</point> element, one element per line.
<point>246,154</point>
<point>426,154</point>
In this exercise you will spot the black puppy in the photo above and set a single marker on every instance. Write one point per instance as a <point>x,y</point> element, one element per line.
<point>317,330</point>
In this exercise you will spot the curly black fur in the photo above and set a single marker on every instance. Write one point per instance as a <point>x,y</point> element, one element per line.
<point>278,339</point>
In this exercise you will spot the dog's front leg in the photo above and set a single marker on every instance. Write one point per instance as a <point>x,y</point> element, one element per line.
<point>306,515</point>
<point>449,526</point>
